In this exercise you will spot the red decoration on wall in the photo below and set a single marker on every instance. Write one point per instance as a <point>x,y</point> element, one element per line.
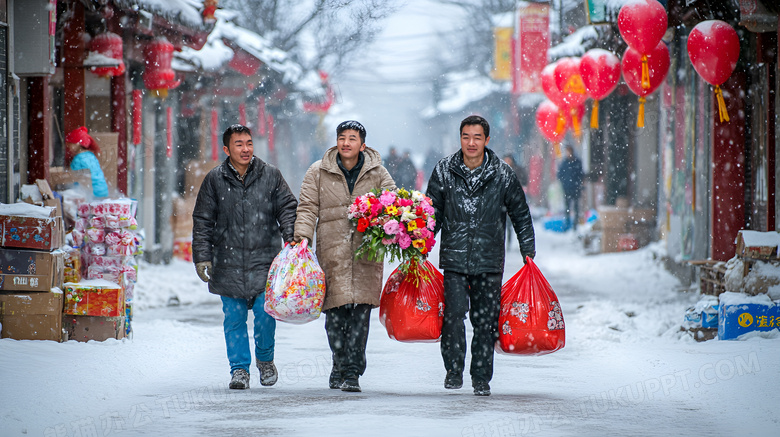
<point>110,45</point>
<point>658,66</point>
<point>209,7</point>
<point>138,109</point>
<point>244,63</point>
<point>242,114</point>
<point>261,121</point>
<point>713,47</point>
<point>214,135</point>
<point>271,134</point>
<point>169,132</point>
<point>158,75</point>
<point>600,71</point>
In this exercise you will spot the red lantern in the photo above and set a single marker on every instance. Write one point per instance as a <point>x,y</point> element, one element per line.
<point>642,24</point>
<point>569,82</point>
<point>658,66</point>
<point>158,75</point>
<point>600,71</point>
<point>110,45</point>
<point>550,122</point>
<point>713,47</point>
<point>209,7</point>
<point>551,90</point>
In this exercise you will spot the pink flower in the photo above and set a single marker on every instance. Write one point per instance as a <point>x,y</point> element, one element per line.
<point>428,209</point>
<point>376,209</point>
<point>363,206</point>
<point>389,241</point>
<point>405,202</point>
<point>431,223</point>
<point>404,240</point>
<point>391,227</point>
<point>387,198</point>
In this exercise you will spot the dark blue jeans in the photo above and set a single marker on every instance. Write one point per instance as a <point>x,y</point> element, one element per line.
<point>480,296</point>
<point>237,337</point>
<point>572,205</point>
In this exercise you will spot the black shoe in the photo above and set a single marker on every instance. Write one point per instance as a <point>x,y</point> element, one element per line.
<point>240,380</point>
<point>268,374</point>
<point>335,380</point>
<point>481,388</point>
<point>350,384</point>
<point>453,380</point>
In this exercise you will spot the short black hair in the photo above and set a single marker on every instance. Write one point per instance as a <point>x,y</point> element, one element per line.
<point>473,120</point>
<point>234,129</point>
<point>352,125</point>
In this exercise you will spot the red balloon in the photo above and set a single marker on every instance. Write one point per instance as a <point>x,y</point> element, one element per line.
<point>569,81</point>
<point>713,47</point>
<point>642,24</point>
<point>658,66</point>
<point>551,121</point>
<point>551,90</point>
<point>600,72</point>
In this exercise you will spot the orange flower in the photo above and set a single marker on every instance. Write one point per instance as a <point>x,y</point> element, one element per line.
<point>419,243</point>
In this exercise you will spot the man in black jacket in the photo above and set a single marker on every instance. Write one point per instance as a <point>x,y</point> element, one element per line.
<point>472,191</point>
<point>243,212</point>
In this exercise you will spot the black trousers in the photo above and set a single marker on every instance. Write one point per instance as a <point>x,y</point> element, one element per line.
<point>480,296</point>
<point>572,205</point>
<point>347,329</point>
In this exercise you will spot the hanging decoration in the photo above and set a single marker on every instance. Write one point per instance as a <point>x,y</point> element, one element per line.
<point>209,7</point>
<point>642,24</point>
<point>169,132</point>
<point>658,66</point>
<point>600,71</point>
<point>138,108</point>
<point>158,75</point>
<point>554,94</point>
<point>261,127</point>
<point>109,45</point>
<point>214,135</point>
<point>242,114</point>
<point>547,120</point>
<point>271,134</point>
<point>713,47</point>
<point>330,97</point>
<point>569,82</point>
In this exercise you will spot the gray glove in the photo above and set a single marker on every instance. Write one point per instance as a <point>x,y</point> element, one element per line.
<point>204,270</point>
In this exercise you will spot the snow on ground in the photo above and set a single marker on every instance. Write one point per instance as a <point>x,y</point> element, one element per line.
<point>625,370</point>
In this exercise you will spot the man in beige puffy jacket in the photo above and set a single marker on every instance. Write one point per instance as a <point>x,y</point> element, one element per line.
<point>353,286</point>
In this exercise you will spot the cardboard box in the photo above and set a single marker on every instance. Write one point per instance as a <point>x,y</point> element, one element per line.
<point>740,314</point>
<point>758,245</point>
<point>86,328</point>
<point>614,218</point>
<point>108,142</point>
<point>32,316</point>
<point>94,298</point>
<point>181,220</point>
<point>61,178</point>
<point>30,227</point>
<point>29,270</point>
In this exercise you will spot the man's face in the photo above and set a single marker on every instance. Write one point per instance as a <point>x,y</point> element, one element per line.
<point>473,141</point>
<point>241,148</point>
<point>349,144</point>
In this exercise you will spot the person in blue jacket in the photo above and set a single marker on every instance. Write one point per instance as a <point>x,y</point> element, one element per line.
<point>82,150</point>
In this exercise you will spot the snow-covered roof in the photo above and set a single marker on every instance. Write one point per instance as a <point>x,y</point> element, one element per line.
<point>184,12</point>
<point>575,44</point>
<point>462,88</point>
<point>216,53</point>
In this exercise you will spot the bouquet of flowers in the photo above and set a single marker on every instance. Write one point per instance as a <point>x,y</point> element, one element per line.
<point>398,223</point>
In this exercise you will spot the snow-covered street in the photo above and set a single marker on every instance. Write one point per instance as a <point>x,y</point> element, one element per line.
<point>626,370</point>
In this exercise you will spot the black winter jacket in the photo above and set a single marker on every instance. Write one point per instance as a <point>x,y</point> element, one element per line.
<point>240,227</point>
<point>473,222</point>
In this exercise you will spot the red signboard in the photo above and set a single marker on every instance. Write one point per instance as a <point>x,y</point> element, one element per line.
<point>533,40</point>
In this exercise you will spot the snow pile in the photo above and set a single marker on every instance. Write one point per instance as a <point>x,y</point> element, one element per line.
<point>461,89</point>
<point>23,209</point>
<point>184,12</point>
<point>575,44</point>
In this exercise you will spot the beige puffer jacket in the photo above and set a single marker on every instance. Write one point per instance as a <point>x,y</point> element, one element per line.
<point>324,204</point>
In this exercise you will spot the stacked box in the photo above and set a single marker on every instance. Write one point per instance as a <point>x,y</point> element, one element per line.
<point>27,226</point>
<point>94,298</point>
<point>740,314</point>
<point>32,316</point>
<point>29,270</point>
<point>625,228</point>
<point>85,328</point>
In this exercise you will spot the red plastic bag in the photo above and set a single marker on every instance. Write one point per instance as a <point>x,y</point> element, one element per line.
<point>412,305</point>
<point>531,320</point>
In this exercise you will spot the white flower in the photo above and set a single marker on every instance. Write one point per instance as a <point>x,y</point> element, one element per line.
<point>417,196</point>
<point>551,324</point>
<point>407,215</point>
